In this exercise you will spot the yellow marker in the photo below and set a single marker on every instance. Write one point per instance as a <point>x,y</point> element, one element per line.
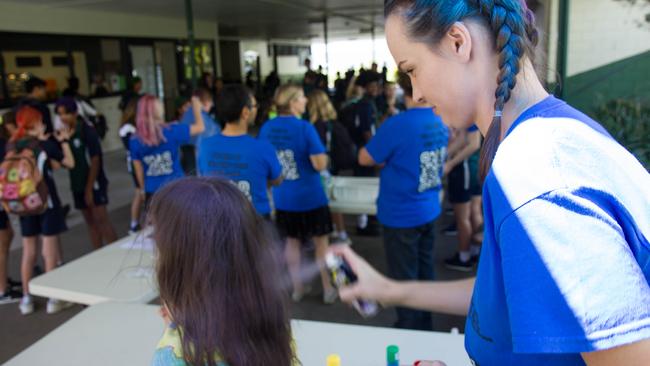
<point>333,360</point>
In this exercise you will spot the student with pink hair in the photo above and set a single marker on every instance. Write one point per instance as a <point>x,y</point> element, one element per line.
<point>155,146</point>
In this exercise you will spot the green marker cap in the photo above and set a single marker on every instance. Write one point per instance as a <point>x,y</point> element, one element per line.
<point>392,354</point>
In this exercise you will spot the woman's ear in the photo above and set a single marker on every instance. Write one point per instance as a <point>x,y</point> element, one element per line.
<point>458,42</point>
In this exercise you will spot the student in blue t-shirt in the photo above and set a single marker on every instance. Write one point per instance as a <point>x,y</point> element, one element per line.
<point>155,146</point>
<point>412,148</point>
<point>565,262</point>
<point>189,151</point>
<point>233,154</point>
<point>302,210</point>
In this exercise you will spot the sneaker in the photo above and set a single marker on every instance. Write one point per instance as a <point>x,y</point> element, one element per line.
<point>54,306</point>
<point>9,297</point>
<point>456,264</point>
<point>26,305</point>
<point>134,229</point>
<point>330,296</point>
<point>450,230</point>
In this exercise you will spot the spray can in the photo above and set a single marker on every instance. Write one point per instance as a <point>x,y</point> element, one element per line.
<point>392,355</point>
<point>342,275</point>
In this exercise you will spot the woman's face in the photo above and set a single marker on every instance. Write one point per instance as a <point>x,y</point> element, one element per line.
<point>442,77</point>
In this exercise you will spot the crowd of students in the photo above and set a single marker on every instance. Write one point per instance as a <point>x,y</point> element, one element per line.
<point>310,138</point>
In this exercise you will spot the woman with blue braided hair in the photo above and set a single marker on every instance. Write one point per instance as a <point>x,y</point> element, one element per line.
<point>565,263</point>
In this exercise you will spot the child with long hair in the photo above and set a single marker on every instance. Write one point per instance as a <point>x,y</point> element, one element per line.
<point>50,154</point>
<point>218,278</point>
<point>338,145</point>
<point>155,146</point>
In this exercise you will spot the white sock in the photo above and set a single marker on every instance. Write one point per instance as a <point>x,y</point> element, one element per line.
<point>465,256</point>
<point>362,221</point>
<point>134,223</point>
<point>343,234</point>
<point>475,250</point>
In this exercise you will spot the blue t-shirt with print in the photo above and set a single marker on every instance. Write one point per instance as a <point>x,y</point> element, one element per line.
<point>161,163</point>
<point>565,261</point>
<point>211,126</point>
<point>413,145</point>
<point>248,162</point>
<point>295,140</point>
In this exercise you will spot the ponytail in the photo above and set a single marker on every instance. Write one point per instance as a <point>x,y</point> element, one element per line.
<point>513,27</point>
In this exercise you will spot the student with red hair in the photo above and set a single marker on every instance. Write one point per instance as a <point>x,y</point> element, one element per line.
<point>49,154</point>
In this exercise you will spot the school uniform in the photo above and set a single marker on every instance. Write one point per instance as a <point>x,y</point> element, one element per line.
<point>85,145</point>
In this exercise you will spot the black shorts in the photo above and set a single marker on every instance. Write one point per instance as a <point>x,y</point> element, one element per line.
<point>100,198</point>
<point>4,220</point>
<point>458,184</point>
<point>49,223</point>
<point>304,225</point>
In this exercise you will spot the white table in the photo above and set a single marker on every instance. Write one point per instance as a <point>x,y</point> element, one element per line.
<point>353,195</point>
<point>122,272</point>
<point>126,334</point>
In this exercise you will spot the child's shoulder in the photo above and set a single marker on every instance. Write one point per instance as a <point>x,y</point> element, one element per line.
<point>169,351</point>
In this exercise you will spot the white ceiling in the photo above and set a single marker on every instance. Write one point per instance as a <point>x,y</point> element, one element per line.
<point>254,18</point>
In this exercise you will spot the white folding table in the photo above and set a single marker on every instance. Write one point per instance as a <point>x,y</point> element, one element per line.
<point>126,334</point>
<point>122,272</point>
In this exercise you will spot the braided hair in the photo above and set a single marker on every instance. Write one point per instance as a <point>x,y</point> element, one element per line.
<point>514,33</point>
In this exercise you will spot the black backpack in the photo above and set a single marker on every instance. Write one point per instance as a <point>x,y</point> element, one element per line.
<point>340,148</point>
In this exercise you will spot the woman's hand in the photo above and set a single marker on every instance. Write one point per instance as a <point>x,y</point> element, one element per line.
<point>196,103</point>
<point>62,134</point>
<point>370,285</point>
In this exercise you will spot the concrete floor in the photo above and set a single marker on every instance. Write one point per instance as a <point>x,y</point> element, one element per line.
<point>19,332</point>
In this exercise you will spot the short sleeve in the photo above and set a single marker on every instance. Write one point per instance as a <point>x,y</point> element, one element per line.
<point>53,149</point>
<point>92,141</point>
<point>383,144</point>
<point>275,169</point>
<point>180,133</point>
<point>571,281</point>
<point>314,144</point>
<point>134,149</point>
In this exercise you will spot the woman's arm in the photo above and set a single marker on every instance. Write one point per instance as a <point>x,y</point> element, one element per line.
<point>199,124</point>
<point>472,146</point>
<point>448,297</point>
<point>630,354</point>
<point>318,161</point>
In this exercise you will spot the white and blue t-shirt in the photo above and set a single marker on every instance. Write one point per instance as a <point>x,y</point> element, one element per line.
<point>161,163</point>
<point>413,145</point>
<point>247,162</point>
<point>295,140</point>
<point>566,259</point>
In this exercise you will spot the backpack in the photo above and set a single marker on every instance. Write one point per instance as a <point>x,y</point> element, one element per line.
<point>89,113</point>
<point>340,147</point>
<point>22,189</point>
